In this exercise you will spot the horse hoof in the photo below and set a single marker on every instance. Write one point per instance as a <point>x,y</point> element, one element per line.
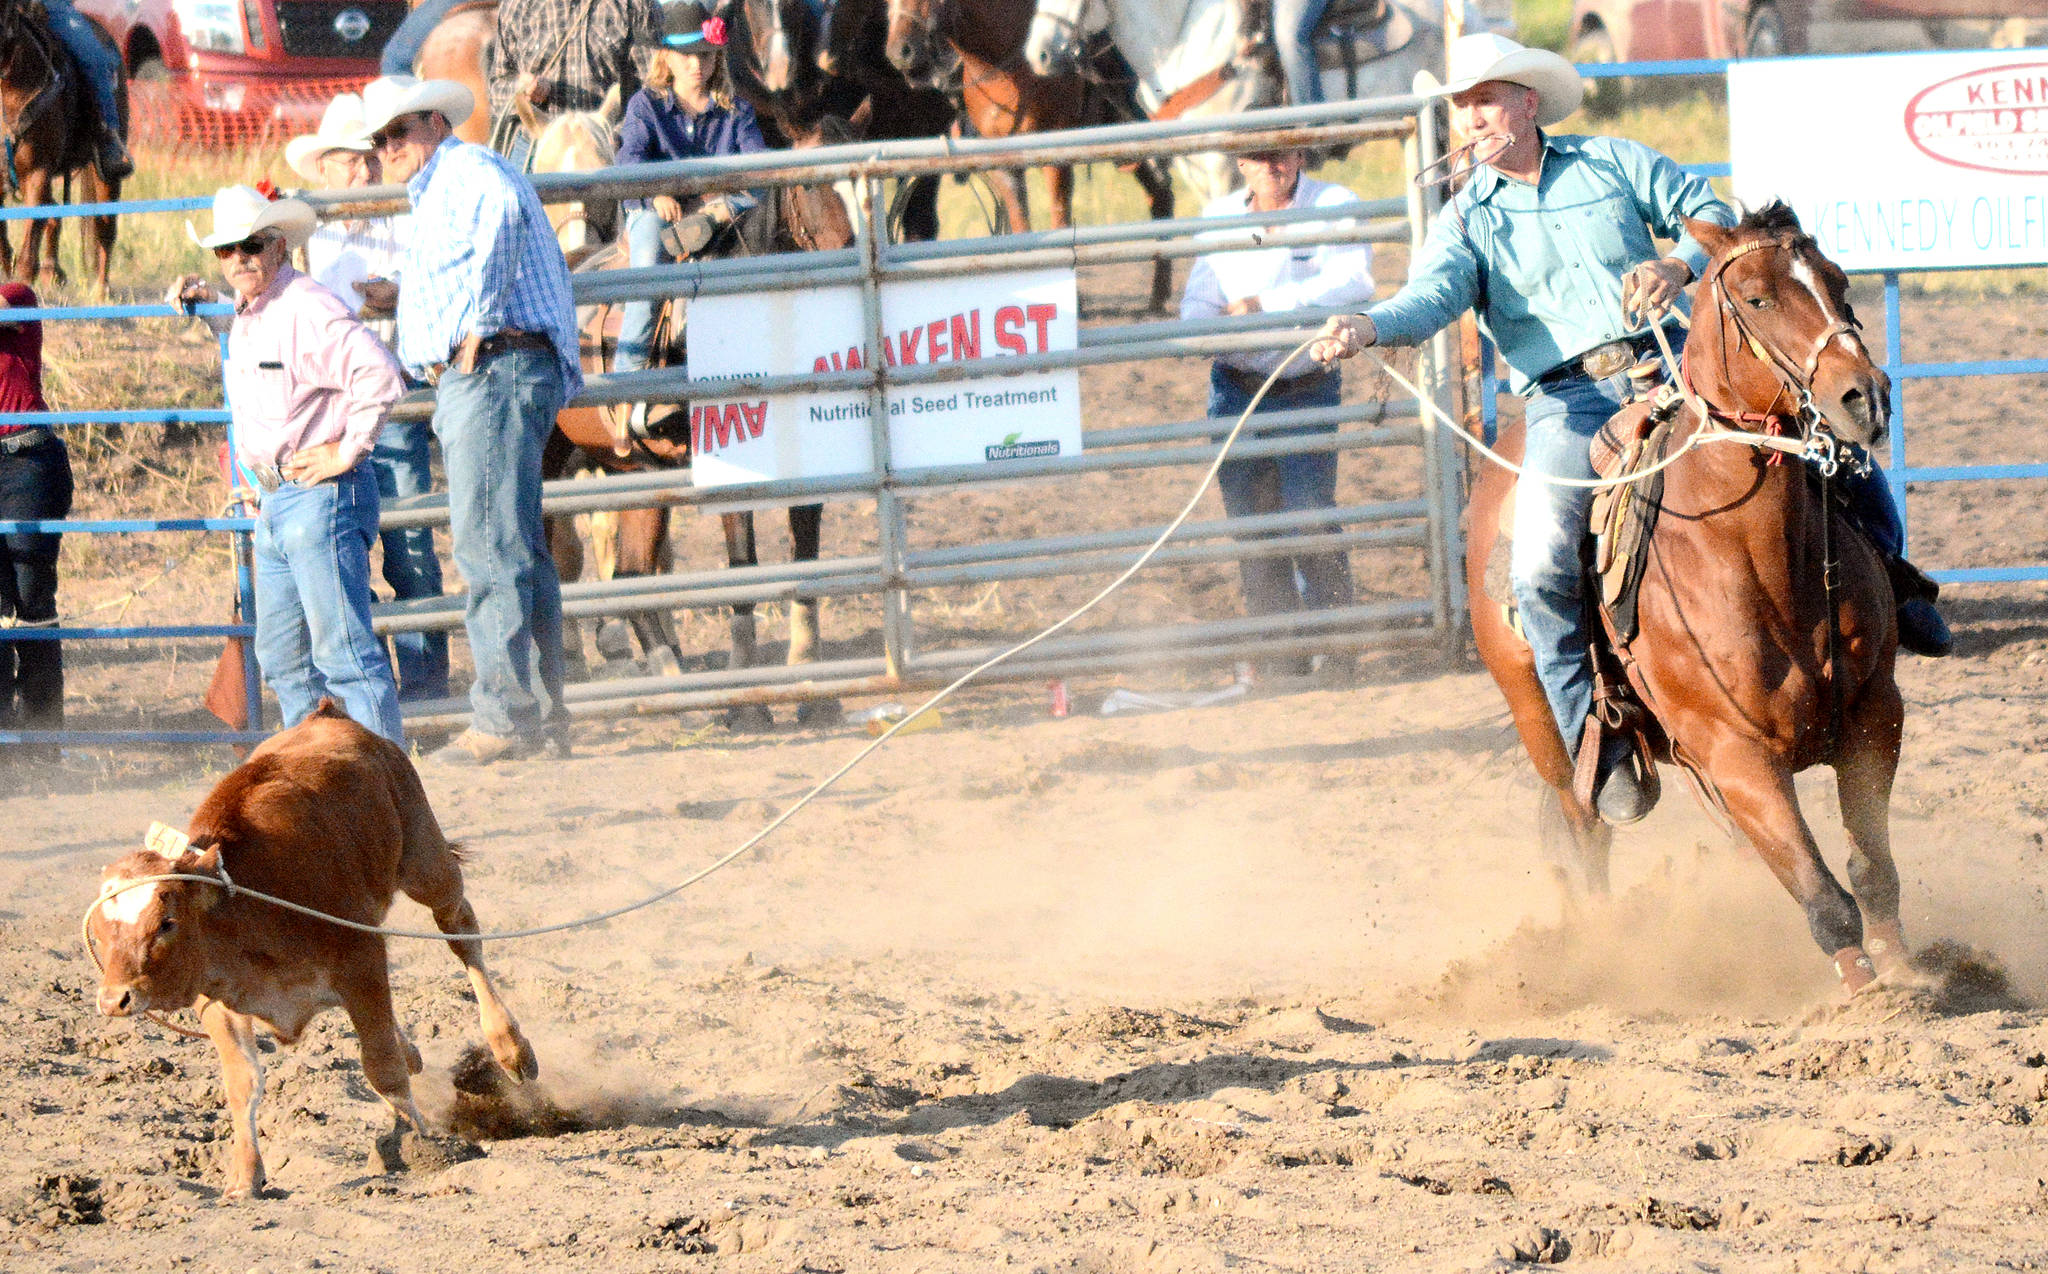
<point>1853,967</point>
<point>749,718</point>
<point>614,640</point>
<point>820,712</point>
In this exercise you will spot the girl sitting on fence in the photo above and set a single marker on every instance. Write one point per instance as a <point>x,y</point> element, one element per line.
<point>686,111</point>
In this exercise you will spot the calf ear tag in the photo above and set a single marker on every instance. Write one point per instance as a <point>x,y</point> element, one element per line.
<point>165,840</point>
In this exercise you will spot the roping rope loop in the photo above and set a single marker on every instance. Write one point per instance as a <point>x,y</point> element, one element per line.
<point>223,882</point>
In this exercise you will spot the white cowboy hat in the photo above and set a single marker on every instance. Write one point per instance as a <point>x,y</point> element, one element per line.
<point>240,211</point>
<point>341,128</point>
<point>390,96</point>
<point>1475,59</point>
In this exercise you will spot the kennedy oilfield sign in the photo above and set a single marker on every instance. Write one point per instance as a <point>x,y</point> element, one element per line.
<point>1900,161</point>
<point>976,319</point>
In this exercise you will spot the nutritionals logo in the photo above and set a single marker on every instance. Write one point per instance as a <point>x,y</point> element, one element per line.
<point>1011,449</point>
<point>1993,120</point>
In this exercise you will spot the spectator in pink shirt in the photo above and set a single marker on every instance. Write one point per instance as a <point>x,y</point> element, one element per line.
<point>308,386</point>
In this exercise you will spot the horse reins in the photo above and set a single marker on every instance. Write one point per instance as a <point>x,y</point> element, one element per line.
<point>1821,447</point>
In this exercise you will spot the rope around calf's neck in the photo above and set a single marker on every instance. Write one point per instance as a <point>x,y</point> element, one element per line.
<point>234,890</point>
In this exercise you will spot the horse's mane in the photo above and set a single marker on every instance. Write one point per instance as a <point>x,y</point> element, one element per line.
<point>1773,217</point>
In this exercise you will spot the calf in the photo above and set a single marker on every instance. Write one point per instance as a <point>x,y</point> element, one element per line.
<point>332,817</point>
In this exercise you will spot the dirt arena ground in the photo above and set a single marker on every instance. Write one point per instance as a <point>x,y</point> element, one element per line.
<point>1276,985</point>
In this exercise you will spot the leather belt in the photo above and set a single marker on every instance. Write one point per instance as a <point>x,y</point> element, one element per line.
<point>495,344</point>
<point>1602,361</point>
<point>33,436</point>
<point>1249,382</point>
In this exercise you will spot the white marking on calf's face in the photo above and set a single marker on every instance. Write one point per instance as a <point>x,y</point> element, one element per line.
<point>127,907</point>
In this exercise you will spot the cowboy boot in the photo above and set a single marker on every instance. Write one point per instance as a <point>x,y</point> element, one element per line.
<point>1620,796</point>
<point>1921,627</point>
<point>111,157</point>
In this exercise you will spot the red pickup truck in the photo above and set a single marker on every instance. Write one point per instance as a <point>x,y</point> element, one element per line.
<point>1657,30</point>
<point>242,72</point>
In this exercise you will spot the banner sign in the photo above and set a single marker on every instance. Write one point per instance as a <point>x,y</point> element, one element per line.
<point>977,318</point>
<point>1900,161</point>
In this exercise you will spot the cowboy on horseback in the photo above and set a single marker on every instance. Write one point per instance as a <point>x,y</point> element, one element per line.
<point>565,55</point>
<point>1551,243</point>
<point>100,65</point>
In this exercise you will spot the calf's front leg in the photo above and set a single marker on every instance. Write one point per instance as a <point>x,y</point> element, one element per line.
<point>241,1068</point>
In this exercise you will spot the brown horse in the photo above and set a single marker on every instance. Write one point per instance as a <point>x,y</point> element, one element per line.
<point>1753,669</point>
<point>47,124</point>
<point>800,218</point>
<point>456,50</point>
<point>772,52</point>
<point>934,41</point>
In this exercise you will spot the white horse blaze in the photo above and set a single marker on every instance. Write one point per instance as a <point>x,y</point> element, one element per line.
<point>127,907</point>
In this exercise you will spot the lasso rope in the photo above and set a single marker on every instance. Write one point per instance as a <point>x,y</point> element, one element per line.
<point>222,881</point>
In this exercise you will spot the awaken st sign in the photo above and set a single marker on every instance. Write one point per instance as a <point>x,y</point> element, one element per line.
<point>981,319</point>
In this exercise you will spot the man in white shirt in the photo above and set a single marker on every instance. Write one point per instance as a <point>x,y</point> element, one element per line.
<point>1258,280</point>
<point>358,260</point>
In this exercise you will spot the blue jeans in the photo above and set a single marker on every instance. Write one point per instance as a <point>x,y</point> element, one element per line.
<point>100,64</point>
<point>1283,484</point>
<point>35,486</point>
<point>403,467</point>
<point>403,48</point>
<point>1294,37</point>
<point>492,424</point>
<point>1551,527</point>
<point>637,321</point>
<point>313,633</point>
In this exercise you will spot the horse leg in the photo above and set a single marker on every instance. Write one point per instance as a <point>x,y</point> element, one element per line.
<point>642,550</point>
<point>1059,191</point>
<point>1157,183</point>
<point>1765,806</point>
<point>1863,779</point>
<point>740,551</point>
<point>806,526</point>
<point>1010,188</point>
<point>35,192</point>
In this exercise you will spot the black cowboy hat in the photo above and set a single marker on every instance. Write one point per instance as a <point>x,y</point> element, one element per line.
<point>688,27</point>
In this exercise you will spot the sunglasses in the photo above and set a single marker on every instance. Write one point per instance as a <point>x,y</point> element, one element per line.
<point>397,130</point>
<point>250,247</point>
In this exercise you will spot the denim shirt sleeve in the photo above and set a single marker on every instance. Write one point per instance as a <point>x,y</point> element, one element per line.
<point>1666,195</point>
<point>1443,284</point>
<point>747,136</point>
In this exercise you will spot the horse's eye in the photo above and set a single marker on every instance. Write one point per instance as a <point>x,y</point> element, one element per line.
<point>1762,303</point>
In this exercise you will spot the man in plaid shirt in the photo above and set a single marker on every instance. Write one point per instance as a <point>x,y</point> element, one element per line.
<point>565,54</point>
<point>486,316</point>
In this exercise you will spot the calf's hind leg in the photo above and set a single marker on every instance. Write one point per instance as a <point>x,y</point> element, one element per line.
<point>437,886</point>
<point>366,996</point>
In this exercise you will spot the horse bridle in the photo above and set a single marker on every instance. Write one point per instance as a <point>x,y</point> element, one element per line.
<point>1794,380</point>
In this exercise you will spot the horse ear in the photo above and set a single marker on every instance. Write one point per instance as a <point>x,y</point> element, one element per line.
<point>1714,238</point>
<point>613,107</point>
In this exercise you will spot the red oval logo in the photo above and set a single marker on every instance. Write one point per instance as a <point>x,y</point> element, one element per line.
<point>1994,120</point>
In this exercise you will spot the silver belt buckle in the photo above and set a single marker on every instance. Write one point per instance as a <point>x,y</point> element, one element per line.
<point>1607,360</point>
<point>267,477</point>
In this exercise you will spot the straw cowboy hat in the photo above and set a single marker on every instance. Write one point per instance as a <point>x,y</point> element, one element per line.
<point>388,97</point>
<point>240,211</point>
<point>341,128</point>
<point>1475,59</point>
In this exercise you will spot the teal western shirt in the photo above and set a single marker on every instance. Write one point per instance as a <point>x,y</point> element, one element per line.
<point>1541,265</point>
